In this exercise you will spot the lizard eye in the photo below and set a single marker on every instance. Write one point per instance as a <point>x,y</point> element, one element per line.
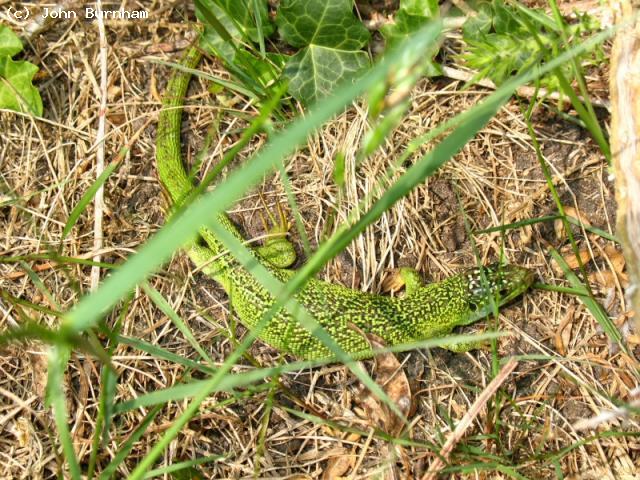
<point>473,307</point>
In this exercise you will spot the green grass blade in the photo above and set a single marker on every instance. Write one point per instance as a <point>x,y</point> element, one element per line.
<point>86,199</point>
<point>165,308</point>
<point>258,20</point>
<point>233,86</point>
<point>35,279</point>
<point>54,257</point>
<point>58,357</point>
<point>159,352</point>
<point>242,380</point>
<point>214,22</point>
<point>158,472</point>
<point>26,303</point>
<point>121,456</point>
<point>548,218</point>
<point>31,330</point>
<point>587,299</point>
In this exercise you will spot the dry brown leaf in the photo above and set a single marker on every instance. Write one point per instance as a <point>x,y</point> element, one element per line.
<point>605,278</point>
<point>558,228</point>
<point>338,465</point>
<point>563,333</point>
<point>388,373</point>
<point>558,225</point>
<point>575,213</point>
<point>572,260</point>
<point>633,339</point>
<point>618,263</point>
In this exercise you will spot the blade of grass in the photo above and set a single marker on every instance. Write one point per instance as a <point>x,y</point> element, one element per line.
<point>35,279</point>
<point>121,456</point>
<point>26,303</point>
<point>159,352</point>
<point>548,218</point>
<point>233,86</point>
<point>54,257</point>
<point>214,22</point>
<point>587,299</point>
<point>108,390</point>
<point>514,225</point>
<point>244,379</point>
<point>86,199</point>
<point>165,308</point>
<point>559,289</point>
<point>258,21</point>
<point>32,330</point>
<point>158,472</point>
<point>58,357</point>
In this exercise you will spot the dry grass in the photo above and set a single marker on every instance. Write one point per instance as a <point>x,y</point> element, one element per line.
<point>47,166</point>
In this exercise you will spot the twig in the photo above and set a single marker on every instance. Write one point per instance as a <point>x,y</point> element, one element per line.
<point>99,200</point>
<point>461,428</point>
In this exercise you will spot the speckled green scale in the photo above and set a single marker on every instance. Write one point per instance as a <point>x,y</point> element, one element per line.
<point>425,311</point>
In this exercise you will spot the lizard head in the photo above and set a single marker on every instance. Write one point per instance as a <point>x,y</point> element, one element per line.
<point>500,283</point>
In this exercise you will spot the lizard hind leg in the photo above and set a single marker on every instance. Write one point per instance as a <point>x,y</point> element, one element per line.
<point>411,279</point>
<point>277,249</point>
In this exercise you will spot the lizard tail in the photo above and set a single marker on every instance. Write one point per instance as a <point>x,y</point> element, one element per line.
<point>212,258</point>
<point>168,151</point>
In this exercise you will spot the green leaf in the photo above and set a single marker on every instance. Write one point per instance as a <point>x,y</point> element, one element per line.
<point>504,19</point>
<point>329,23</point>
<point>422,8</point>
<point>226,38</point>
<point>330,38</point>
<point>405,25</point>
<point>220,32</point>
<point>10,44</point>
<point>246,18</point>
<point>478,25</point>
<point>16,90</point>
<point>315,71</point>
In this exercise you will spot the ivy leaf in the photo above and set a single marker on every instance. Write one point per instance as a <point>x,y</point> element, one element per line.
<point>219,30</point>
<point>504,20</point>
<point>405,24</point>
<point>478,25</point>
<point>329,23</point>
<point>242,12</point>
<point>10,44</point>
<point>16,90</point>
<point>330,38</point>
<point>316,70</point>
<point>223,35</point>
<point>422,8</point>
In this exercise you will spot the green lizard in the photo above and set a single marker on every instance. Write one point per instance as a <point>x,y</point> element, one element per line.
<point>425,311</point>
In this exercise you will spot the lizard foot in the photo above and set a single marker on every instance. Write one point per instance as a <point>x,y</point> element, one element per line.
<point>406,277</point>
<point>277,250</point>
